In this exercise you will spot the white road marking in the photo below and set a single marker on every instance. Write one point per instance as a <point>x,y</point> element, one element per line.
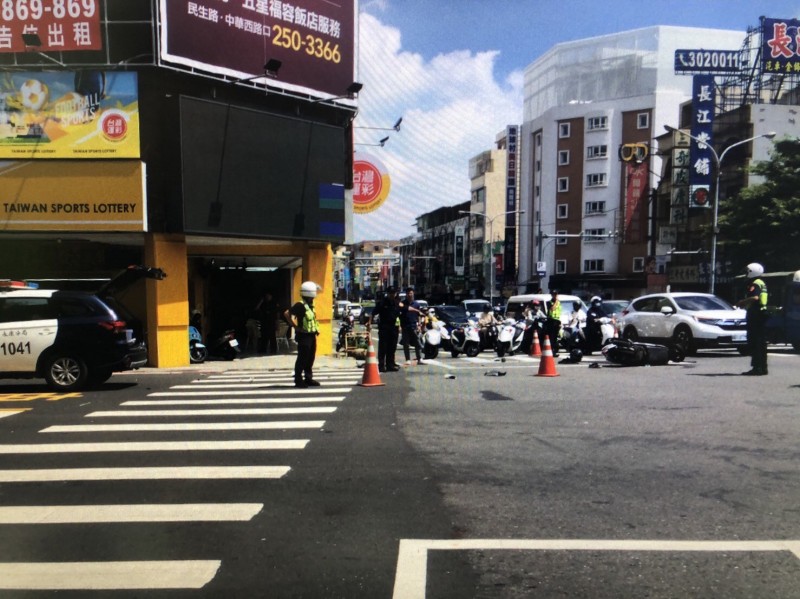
<point>245,445</point>
<point>287,391</point>
<point>189,574</point>
<point>412,560</point>
<point>184,426</point>
<point>164,512</point>
<point>223,402</point>
<point>253,384</point>
<point>208,412</point>
<point>268,379</point>
<point>151,473</point>
<point>4,413</point>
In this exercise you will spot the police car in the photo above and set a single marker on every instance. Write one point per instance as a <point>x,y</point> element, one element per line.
<point>72,339</point>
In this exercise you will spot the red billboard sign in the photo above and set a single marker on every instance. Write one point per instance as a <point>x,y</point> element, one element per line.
<point>50,25</point>
<point>313,39</point>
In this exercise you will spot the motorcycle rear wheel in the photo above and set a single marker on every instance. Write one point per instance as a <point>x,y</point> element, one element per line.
<point>197,355</point>
<point>472,349</point>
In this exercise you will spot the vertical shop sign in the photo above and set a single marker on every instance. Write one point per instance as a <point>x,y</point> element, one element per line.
<point>510,244</point>
<point>702,161</point>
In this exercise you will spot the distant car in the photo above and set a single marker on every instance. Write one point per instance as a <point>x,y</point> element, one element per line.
<point>451,315</point>
<point>355,309</point>
<point>71,339</point>
<point>614,308</point>
<point>695,320</point>
<point>476,307</point>
<point>516,304</point>
<point>338,308</point>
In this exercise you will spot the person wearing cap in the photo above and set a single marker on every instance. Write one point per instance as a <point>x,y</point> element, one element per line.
<point>302,317</point>
<point>387,313</point>
<point>554,321</point>
<point>755,302</point>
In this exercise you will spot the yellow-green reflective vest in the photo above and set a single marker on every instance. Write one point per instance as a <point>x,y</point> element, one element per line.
<point>310,324</point>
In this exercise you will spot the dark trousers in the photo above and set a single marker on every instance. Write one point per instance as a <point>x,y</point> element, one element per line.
<point>553,329</point>
<point>410,338</point>
<point>387,345</point>
<point>269,343</point>
<point>757,344</point>
<point>306,352</point>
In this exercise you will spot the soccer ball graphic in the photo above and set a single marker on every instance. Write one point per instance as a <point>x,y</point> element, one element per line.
<point>33,94</point>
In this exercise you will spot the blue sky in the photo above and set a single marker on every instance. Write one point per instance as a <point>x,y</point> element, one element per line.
<point>453,70</point>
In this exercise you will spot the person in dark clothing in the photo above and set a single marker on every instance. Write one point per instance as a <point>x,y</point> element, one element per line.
<point>387,313</point>
<point>306,327</point>
<point>267,309</point>
<point>756,305</point>
<point>410,311</point>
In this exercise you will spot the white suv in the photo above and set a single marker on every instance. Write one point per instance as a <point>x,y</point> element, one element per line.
<point>694,320</point>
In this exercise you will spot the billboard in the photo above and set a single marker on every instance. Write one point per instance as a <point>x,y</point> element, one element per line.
<point>50,25</point>
<point>41,195</point>
<point>81,114</point>
<point>258,174</point>
<point>371,183</point>
<point>780,50</point>
<point>313,39</point>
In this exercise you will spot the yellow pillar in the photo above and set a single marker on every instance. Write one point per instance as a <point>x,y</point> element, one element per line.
<point>318,267</point>
<point>167,302</point>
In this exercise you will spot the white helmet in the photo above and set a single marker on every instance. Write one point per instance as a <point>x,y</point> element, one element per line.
<point>309,289</point>
<point>431,311</point>
<point>596,300</point>
<point>754,269</point>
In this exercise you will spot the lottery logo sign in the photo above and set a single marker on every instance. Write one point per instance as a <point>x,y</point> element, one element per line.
<point>371,184</point>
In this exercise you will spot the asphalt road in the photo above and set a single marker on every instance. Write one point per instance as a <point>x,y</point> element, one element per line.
<point>447,482</point>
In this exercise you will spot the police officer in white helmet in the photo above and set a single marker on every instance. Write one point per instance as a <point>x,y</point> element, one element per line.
<point>301,315</point>
<point>755,303</point>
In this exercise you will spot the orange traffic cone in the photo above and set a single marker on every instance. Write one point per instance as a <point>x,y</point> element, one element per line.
<point>371,378</point>
<point>536,349</point>
<point>547,365</point>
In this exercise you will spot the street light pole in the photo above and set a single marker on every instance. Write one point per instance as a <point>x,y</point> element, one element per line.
<point>491,242</point>
<point>715,219</point>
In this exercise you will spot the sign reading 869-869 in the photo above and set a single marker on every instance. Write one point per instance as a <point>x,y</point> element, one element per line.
<point>707,61</point>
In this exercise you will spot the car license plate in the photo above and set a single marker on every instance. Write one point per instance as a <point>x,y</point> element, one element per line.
<point>233,343</point>
<point>739,338</point>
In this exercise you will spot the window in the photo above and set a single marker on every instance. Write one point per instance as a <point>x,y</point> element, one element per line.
<point>600,151</point>
<point>643,120</point>
<point>593,266</point>
<point>561,267</point>
<point>563,157</point>
<point>596,180</point>
<point>638,264</point>
<point>561,240</point>
<point>537,191</point>
<point>562,211</point>
<point>538,140</point>
<point>25,308</point>
<point>596,123</point>
<point>594,235</point>
<point>538,166</point>
<point>595,207</point>
<point>563,130</point>
<point>563,184</point>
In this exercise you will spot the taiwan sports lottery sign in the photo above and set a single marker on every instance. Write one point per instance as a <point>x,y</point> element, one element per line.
<point>371,184</point>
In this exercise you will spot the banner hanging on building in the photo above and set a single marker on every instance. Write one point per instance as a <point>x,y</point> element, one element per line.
<point>371,183</point>
<point>703,160</point>
<point>81,114</point>
<point>49,25</point>
<point>510,243</point>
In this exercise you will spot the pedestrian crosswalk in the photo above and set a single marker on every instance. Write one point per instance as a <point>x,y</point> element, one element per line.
<point>172,423</point>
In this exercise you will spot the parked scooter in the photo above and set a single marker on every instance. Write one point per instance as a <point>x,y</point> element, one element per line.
<point>226,346</point>
<point>345,328</point>
<point>509,336</point>
<point>198,352</point>
<point>465,340</point>
<point>431,335</point>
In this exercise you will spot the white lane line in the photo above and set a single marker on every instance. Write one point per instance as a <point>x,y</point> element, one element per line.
<point>152,473</point>
<point>252,385</point>
<point>287,391</point>
<point>412,560</point>
<point>188,574</point>
<point>284,373</point>
<point>4,413</point>
<point>282,377</point>
<point>184,426</point>
<point>439,363</point>
<point>224,402</point>
<point>210,412</point>
<point>162,512</point>
<point>245,445</point>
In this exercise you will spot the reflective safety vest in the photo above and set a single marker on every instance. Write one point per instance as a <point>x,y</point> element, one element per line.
<point>309,323</point>
<point>555,310</point>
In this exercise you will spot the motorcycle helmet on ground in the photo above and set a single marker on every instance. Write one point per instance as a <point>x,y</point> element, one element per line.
<point>754,269</point>
<point>575,356</point>
<point>309,289</point>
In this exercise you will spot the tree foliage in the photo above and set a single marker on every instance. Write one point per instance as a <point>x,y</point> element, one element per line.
<point>762,223</point>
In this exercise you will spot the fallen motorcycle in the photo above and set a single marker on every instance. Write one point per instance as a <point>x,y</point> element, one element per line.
<point>634,353</point>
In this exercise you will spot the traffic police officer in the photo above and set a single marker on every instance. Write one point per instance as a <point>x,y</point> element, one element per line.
<point>387,312</point>
<point>302,317</point>
<point>554,321</point>
<point>756,304</point>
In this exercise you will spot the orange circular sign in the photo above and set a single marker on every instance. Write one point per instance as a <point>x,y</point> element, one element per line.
<point>371,184</point>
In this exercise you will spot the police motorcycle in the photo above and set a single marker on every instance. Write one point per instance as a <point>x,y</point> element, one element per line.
<point>624,352</point>
<point>510,334</point>
<point>465,340</point>
<point>431,335</point>
<point>594,332</point>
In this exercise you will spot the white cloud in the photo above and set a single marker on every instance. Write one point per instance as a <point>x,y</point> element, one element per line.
<point>452,108</point>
